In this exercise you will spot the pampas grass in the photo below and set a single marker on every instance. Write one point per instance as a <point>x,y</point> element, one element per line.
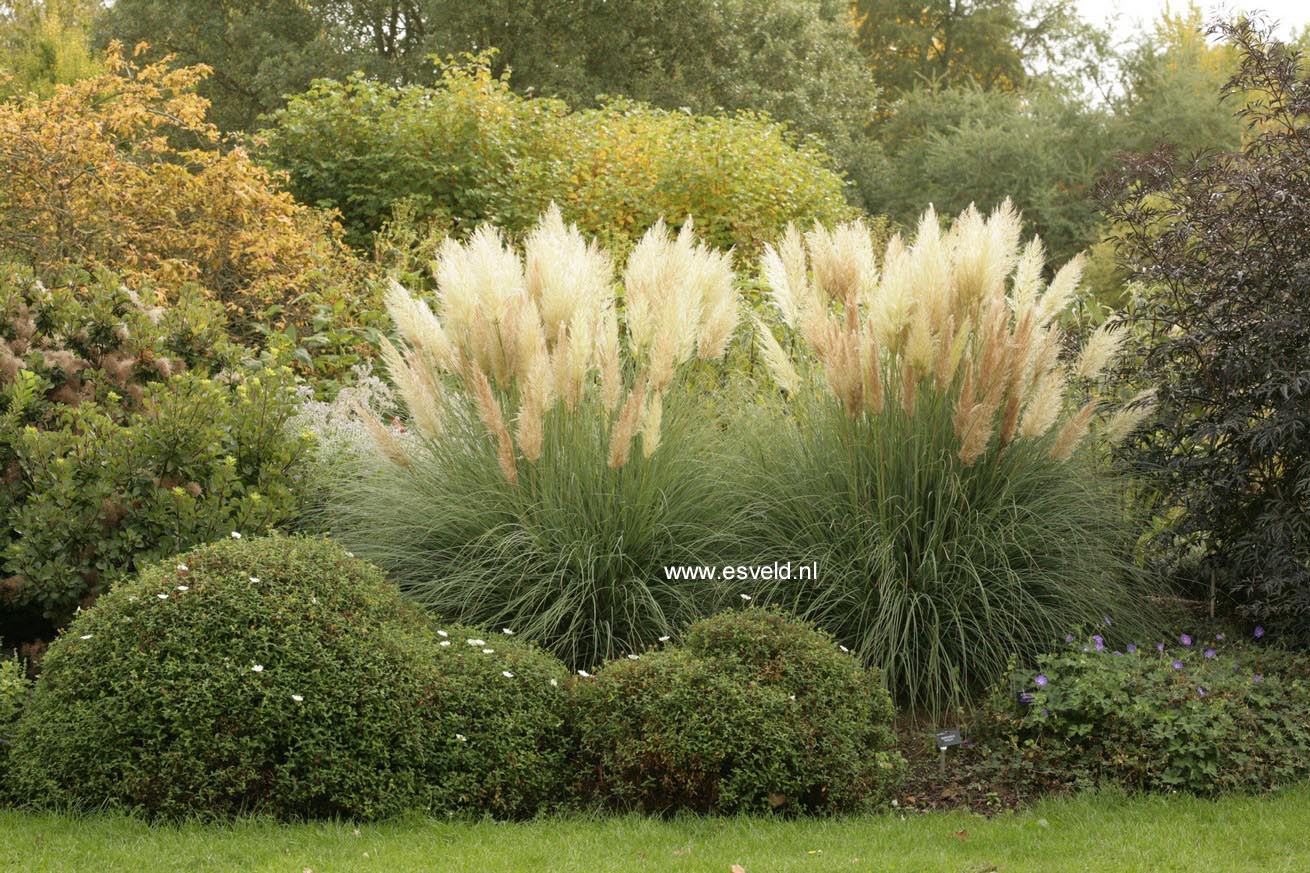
<point>552,467</point>
<point>931,460</point>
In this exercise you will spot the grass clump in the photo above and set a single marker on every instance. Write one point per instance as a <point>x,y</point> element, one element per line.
<point>931,462</point>
<point>550,468</point>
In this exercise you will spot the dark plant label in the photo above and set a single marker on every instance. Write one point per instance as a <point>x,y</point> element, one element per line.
<point>949,738</point>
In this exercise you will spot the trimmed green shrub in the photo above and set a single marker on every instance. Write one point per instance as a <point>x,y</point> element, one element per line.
<point>1192,715</point>
<point>501,745</point>
<point>282,675</point>
<point>128,432</point>
<point>756,712</point>
<point>469,151</point>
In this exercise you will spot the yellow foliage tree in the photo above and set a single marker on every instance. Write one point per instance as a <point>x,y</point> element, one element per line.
<point>121,170</point>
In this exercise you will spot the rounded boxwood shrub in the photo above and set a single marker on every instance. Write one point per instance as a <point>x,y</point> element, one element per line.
<point>1195,714</point>
<point>755,712</point>
<point>282,675</point>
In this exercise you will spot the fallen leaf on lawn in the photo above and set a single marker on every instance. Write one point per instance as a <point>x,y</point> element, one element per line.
<point>737,868</point>
<point>962,835</point>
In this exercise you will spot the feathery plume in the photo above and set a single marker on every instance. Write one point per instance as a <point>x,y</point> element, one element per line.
<point>775,358</point>
<point>491,415</point>
<point>625,426</point>
<point>1099,350</point>
<point>1129,417</point>
<point>1066,442</point>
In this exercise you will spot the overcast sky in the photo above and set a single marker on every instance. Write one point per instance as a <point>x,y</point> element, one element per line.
<point>1132,15</point>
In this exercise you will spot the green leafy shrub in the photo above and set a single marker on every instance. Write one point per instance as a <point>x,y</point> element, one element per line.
<point>470,151</point>
<point>756,712</point>
<point>932,462</point>
<point>127,434</point>
<point>14,689</point>
<point>1205,717</point>
<point>282,675</point>
<point>549,467</point>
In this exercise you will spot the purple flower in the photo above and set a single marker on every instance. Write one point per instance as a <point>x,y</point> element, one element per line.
<point>1219,637</point>
<point>1258,678</point>
<point>1200,691</point>
<point>1185,640</point>
<point>1100,643</point>
<point>1069,638</point>
<point>1116,652</point>
<point>1258,632</point>
<point>1026,699</point>
<point>1046,712</point>
<point>1159,647</point>
<point>1178,665</point>
<point>1085,649</point>
<point>1108,623</point>
<point>1130,648</point>
<point>1210,653</point>
<point>1041,681</point>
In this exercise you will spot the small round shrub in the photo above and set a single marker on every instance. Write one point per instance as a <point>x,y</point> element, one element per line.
<point>283,676</point>
<point>756,712</point>
<point>1191,714</point>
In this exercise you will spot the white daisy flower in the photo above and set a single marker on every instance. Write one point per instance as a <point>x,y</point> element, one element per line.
<point>477,642</point>
<point>183,588</point>
<point>507,674</point>
<point>235,535</point>
<point>257,668</point>
<point>844,649</point>
<point>162,596</point>
<point>554,683</point>
<point>88,636</point>
<point>182,568</point>
<point>254,579</point>
<point>461,738</point>
<point>445,642</point>
<point>665,639</point>
<point>488,651</point>
<point>350,554</point>
<point>507,632</point>
<point>442,634</point>
<point>297,698</point>
<point>583,673</point>
<point>634,657</point>
<point>745,596</point>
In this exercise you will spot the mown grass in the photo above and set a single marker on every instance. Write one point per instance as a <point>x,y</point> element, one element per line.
<point>1104,832</point>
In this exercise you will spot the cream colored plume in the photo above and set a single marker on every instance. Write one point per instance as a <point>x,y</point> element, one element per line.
<point>522,338</point>
<point>962,311</point>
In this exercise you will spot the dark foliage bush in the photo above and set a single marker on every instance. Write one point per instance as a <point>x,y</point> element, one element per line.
<point>128,432</point>
<point>1222,244</point>
<point>282,675</point>
<point>756,712</point>
<point>1203,717</point>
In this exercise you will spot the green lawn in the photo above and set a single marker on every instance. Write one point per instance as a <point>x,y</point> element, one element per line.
<point>1102,833</point>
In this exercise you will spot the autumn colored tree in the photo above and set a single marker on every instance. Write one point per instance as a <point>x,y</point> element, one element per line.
<point>123,171</point>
